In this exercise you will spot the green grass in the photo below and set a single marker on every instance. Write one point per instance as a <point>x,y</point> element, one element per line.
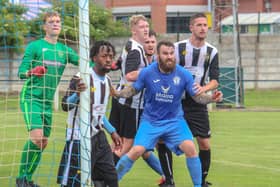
<point>245,147</point>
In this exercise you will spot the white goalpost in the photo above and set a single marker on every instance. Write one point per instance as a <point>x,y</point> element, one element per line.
<point>85,96</point>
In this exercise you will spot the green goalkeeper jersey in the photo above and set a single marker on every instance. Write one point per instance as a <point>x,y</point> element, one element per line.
<point>52,56</point>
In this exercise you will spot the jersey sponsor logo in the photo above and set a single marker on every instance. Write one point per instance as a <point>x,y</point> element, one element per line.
<point>164,97</point>
<point>155,81</point>
<point>52,63</point>
<point>98,109</point>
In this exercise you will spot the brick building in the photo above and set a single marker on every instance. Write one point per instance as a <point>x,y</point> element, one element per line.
<point>172,16</point>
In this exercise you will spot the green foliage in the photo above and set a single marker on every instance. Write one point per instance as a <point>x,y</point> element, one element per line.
<point>12,26</point>
<point>102,25</point>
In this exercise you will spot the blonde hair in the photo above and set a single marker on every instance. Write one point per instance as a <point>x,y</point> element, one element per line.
<point>133,20</point>
<point>50,14</point>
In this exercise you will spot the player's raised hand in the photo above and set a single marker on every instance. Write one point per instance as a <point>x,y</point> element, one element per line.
<point>80,86</point>
<point>38,71</point>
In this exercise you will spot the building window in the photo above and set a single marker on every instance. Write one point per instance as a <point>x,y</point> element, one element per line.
<point>125,18</point>
<point>178,24</point>
<point>243,29</point>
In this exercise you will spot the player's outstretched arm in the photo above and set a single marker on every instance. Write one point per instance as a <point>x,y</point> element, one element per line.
<point>204,98</point>
<point>127,92</point>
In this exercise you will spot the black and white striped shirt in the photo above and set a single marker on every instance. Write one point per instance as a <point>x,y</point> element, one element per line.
<point>133,58</point>
<point>99,98</point>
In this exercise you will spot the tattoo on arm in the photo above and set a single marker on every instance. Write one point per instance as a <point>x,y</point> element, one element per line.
<point>127,92</point>
<point>203,98</point>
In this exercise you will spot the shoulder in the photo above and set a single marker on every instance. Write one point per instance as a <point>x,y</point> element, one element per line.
<point>61,45</point>
<point>182,42</point>
<point>35,43</point>
<point>149,70</point>
<point>180,69</point>
<point>214,49</point>
<point>128,46</point>
<point>135,45</point>
<point>181,46</point>
<point>108,77</point>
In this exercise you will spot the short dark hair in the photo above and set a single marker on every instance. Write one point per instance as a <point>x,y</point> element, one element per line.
<point>98,45</point>
<point>166,43</point>
<point>198,15</point>
<point>152,33</point>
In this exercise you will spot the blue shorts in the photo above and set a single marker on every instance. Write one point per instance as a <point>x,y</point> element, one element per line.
<point>173,132</point>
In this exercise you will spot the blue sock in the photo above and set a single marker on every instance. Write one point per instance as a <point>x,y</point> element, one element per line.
<point>194,167</point>
<point>123,166</point>
<point>154,163</point>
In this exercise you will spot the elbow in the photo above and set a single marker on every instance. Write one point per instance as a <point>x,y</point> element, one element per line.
<point>130,78</point>
<point>65,107</point>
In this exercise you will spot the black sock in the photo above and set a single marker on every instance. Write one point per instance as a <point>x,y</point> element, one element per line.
<point>116,158</point>
<point>165,158</point>
<point>205,159</point>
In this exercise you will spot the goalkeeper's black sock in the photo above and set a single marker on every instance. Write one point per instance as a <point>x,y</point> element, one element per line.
<point>165,157</point>
<point>116,158</point>
<point>205,159</point>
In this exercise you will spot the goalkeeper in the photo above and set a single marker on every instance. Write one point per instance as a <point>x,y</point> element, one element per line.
<point>42,66</point>
<point>102,164</point>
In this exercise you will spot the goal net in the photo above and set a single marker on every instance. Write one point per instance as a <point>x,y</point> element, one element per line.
<point>21,23</point>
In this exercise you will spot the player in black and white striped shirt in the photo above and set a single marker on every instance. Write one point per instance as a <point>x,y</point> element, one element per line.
<point>102,164</point>
<point>126,112</point>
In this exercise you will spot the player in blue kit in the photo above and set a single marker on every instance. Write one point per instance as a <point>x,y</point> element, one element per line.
<point>162,118</point>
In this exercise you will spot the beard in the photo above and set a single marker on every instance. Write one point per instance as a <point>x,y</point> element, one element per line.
<point>167,65</point>
<point>105,70</point>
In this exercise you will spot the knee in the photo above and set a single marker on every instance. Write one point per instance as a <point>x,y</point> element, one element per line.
<point>188,148</point>
<point>38,138</point>
<point>40,142</point>
<point>146,155</point>
<point>203,143</point>
<point>136,152</point>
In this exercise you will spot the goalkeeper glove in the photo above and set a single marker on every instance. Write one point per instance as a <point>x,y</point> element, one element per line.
<point>38,71</point>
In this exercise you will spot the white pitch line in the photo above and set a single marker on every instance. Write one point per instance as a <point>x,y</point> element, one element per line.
<point>246,165</point>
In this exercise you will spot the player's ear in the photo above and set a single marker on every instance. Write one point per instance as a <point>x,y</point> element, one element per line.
<point>94,58</point>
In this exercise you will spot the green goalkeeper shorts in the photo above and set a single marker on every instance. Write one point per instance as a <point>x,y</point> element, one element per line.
<point>37,115</point>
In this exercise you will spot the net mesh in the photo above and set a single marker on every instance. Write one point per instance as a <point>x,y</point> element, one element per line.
<point>21,23</point>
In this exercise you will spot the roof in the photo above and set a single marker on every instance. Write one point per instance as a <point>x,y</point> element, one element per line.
<point>34,7</point>
<point>252,18</point>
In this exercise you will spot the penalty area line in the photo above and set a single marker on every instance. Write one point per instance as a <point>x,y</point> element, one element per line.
<point>246,165</point>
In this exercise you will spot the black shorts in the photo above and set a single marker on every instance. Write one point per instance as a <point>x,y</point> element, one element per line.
<point>102,164</point>
<point>198,122</point>
<point>124,119</point>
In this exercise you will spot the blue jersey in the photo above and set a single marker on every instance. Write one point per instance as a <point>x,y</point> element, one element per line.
<point>163,91</point>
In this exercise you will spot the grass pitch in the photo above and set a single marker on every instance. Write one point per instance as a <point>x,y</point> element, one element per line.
<point>245,147</point>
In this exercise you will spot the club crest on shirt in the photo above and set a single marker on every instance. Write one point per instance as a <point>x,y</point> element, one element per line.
<point>184,52</point>
<point>207,57</point>
<point>60,54</point>
<point>92,89</point>
<point>176,80</point>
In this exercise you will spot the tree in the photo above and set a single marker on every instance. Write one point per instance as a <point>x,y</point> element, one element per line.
<point>12,31</point>
<point>102,24</point>
<point>12,26</point>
